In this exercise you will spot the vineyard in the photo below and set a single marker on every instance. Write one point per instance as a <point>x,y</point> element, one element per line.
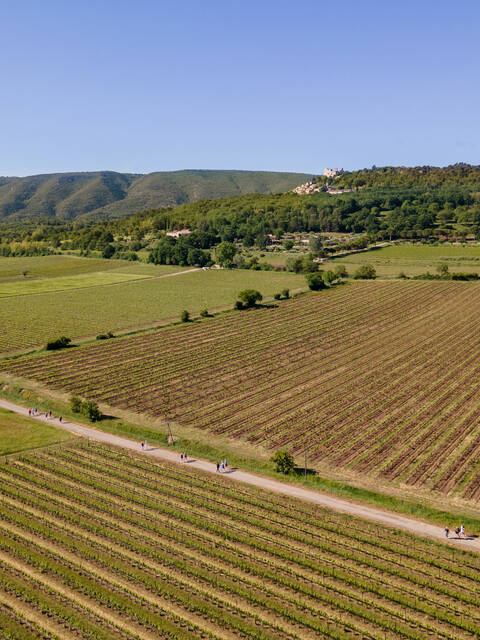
<point>32,320</point>
<point>98,543</point>
<point>378,377</point>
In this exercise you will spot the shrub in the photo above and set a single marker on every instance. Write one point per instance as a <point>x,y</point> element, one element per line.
<point>286,293</point>
<point>277,296</point>
<point>365,272</point>
<point>89,408</point>
<point>59,343</point>
<point>442,269</point>
<point>204,313</point>
<point>250,297</point>
<point>239,305</point>
<point>185,317</point>
<point>315,281</point>
<point>283,462</point>
<point>76,404</point>
<point>105,336</point>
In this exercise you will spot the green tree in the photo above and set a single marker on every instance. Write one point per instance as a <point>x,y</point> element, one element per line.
<point>301,264</point>
<point>185,316</point>
<point>91,411</point>
<point>341,271</point>
<point>315,244</point>
<point>250,297</point>
<point>442,269</point>
<point>329,276</point>
<point>286,293</point>
<point>288,244</point>
<point>283,461</point>
<point>225,253</point>
<point>315,281</point>
<point>365,272</point>
<point>108,251</point>
<point>76,404</point>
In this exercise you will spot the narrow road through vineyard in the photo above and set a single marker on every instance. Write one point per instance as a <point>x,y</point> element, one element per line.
<point>386,518</point>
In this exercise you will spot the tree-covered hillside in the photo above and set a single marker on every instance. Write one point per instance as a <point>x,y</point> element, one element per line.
<point>107,194</point>
<point>425,176</point>
<point>451,209</point>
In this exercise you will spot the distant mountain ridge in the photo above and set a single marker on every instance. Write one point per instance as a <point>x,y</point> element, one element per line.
<point>108,194</point>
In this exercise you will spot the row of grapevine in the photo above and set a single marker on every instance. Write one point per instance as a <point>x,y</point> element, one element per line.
<point>110,544</point>
<point>376,377</point>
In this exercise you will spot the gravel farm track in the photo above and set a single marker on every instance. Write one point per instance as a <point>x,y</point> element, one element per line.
<point>411,525</point>
<point>377,377</point>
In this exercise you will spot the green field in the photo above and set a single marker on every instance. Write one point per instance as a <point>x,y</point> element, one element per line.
<point>31,320</point>
<point>43,285</point>
<point>99,543</point>
<point>412,260</point>
<point>18,433</point>
<point>59,266</point>
<point>52,266</point>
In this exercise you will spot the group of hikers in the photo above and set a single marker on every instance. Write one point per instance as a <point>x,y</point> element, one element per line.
<point>39,414</point>
<point>222,466</point>
<point>460,531</point>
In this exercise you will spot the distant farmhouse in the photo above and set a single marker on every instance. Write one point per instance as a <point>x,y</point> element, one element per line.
<point>332,173</point>
<point>179,233</point>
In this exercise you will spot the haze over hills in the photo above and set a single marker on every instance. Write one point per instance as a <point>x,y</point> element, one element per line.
<point>108,194</point>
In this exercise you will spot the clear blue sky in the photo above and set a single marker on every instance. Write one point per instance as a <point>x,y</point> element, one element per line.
<point>272,85</point>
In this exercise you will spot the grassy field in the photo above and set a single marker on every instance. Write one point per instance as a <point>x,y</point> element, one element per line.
<point>18,433</point>
<point>99,543</point>
<point>412,260</point>
<point>361,377</point>
<point>52,266</point>
<point>79,281</point>
<point>31,320</point>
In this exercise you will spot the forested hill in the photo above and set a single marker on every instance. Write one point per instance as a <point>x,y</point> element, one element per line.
<point>425,176</point>
<point>107,194</point>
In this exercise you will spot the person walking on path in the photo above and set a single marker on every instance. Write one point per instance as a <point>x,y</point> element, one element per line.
<point>457,531</point>
<point>447,531</point>
<point>185,457</point>
<point>462,531</point>
<point>218,467</point>
<point>29,412</point>
<point>60,418</point>
<point>181,457</point>
<point>143,445</point>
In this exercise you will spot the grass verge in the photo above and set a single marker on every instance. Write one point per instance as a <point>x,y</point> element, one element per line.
<point>18,433</point>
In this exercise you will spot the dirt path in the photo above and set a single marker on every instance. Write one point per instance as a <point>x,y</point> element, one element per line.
<point>411,525</point>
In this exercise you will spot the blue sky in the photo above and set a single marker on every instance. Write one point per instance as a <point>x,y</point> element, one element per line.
<point>290,86</point>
